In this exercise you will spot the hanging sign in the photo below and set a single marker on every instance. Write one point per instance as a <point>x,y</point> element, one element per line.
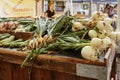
<point>17,8</point>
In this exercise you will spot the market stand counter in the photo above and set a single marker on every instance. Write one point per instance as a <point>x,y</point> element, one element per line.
<point>56,67</point>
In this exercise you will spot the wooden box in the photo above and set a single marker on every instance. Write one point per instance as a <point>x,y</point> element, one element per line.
<point>56,67</point>
<point>22,35</point>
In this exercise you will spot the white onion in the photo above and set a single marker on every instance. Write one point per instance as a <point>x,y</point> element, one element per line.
<point>97,15</point>
<point>89,53</point>
<point>102,34</point>
<point>113,35</point>
<point>78,25</point>
<point>92,34</point>
<point>106,42</point>
<point>96,42</point>
<point>100,25</point>
<point>109,20</point>
<point>108,28</point>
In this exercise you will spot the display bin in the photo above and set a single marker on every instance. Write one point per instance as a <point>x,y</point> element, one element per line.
<point>56,66</point>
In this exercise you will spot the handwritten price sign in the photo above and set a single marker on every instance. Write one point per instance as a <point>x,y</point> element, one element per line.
<point>17,8</point>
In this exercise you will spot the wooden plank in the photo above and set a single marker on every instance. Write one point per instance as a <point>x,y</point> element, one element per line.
<point>118,68</point>
<point>19,73</point>
<point>114,69</point>
<point>109,58</point>
<point>41,74</point>
<point>5,71</point>
<point>51,57</point>
<point>65,76</point>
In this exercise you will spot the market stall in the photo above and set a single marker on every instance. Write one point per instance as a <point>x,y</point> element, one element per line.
<point>63,48</point>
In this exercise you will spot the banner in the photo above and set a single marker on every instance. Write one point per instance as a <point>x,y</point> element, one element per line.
<point>17,8</point>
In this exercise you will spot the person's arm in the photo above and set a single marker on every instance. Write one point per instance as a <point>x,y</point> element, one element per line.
<point>46,14</point>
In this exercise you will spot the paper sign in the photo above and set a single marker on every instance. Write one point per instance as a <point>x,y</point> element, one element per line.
<point>17,8</point>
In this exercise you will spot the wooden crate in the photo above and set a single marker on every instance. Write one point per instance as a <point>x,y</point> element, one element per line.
<point>22,35</point>
<point>56,67</point>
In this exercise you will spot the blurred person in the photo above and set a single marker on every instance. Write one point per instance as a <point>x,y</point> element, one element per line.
<point>114,16</point>
<point>115,11</point>
<point>50,12</point>
<point>108,10</point>
<point>111,11</point>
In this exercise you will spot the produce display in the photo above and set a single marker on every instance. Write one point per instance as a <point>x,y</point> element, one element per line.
<point>18,25</point>
<point>89,37</point>
<point>8,40</point>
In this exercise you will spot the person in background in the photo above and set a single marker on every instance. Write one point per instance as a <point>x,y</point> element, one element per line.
<point>114,16</point>
<point>115,11</point>
<point>107,9</point>
<point>50,12</point>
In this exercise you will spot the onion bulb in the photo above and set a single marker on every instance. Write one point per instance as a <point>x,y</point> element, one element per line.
<point>102,35</point>
<point>30,45</point>
<point>78,25</point>
<point>92,34</point>
<point>89,53</point>
<point>106,42</point>
<point>96,42</point>
<point>40,40</point>
<point>109,21</point>
<point>50,39</point>
<point>97,15</point>
<point>108,28</point>
<point>113,35</point>
<point>92,23</point>
<point>100,25</point>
